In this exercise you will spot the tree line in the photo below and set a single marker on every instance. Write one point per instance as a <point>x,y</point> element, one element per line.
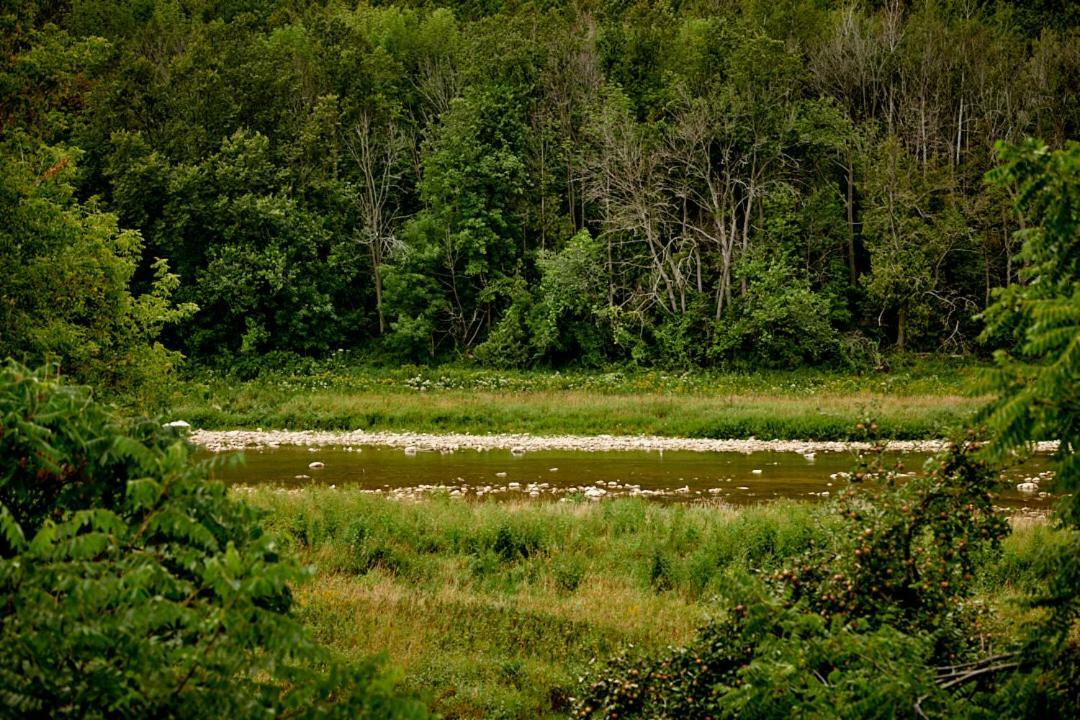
<point>517,183</point>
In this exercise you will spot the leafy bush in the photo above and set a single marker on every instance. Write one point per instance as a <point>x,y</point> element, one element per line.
<point>132,586</point>
<point>779,323</point>
<point>873,624</point>
<point>508,345</point>
<point>567,320</point>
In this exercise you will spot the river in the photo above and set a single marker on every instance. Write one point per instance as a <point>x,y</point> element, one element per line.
<point>733,477</point>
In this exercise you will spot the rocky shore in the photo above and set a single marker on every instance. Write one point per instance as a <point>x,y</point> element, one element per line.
<point>224,440</point>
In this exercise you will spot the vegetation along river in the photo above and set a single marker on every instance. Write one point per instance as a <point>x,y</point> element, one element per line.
<point>732,477</point>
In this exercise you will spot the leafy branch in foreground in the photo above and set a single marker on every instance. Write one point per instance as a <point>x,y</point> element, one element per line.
<point>132,586</point>
<point>1037,385</point>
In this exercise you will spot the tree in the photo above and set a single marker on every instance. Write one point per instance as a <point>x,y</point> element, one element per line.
<point>378,147</point>
<point>912,227</point>
<point>1038,381</point>
<point>468,238</point>
<point>68,270</point>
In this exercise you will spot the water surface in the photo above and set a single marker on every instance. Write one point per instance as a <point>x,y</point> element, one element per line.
<point>737,478</point>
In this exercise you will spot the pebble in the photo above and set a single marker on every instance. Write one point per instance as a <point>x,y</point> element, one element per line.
<point>316,465</point>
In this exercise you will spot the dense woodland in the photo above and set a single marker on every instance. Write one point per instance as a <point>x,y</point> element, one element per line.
<point>516,183</point>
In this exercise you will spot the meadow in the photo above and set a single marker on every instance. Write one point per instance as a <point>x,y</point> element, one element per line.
<point>498,610</point>
<point>916,399</point>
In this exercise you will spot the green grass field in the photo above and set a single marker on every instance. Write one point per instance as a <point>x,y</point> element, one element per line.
<point>914,401</point>
<point>494,610</point>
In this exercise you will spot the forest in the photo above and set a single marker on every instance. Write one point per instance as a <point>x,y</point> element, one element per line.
<point>726,184</point>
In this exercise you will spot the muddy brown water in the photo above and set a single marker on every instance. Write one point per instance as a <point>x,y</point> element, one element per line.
<point>736,478</point>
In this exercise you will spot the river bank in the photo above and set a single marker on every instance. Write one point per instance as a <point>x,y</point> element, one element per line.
<point>519,443</point>
<point>925,401</point>
<point>497,609</point>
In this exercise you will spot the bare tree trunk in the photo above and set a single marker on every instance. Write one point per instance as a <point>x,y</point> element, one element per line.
<point>377,270</point>
<point>378,149</point>
<point>851,216</point>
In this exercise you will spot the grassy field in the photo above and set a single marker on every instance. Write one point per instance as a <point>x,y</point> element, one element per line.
<point>913,401</point>
<point>494,610</point>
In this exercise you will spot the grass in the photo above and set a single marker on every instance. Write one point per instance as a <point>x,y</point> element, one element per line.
<point>494,610</point>
<point>914,401</point>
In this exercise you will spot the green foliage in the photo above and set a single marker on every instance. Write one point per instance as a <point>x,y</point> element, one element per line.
<point>416,181</point>
<point>133,587</point>
<point>68,272</point>
<point>1038,383</point>
<point>464,244</point>
<point>255,262</point>
<point>851,630</point>
<point>780,323</point>
<point>567,320</point>
<point>911,228</point>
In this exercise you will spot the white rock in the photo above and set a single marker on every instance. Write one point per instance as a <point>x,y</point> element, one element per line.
<point>1028,487</point>
<point>177,424</point>
<point>410,450</point>
<point>316,465</point>
<point>500,474</point>
<point>553,469</point>
<point>756,471</point>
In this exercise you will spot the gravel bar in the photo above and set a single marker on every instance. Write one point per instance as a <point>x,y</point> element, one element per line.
<point>224,440</point>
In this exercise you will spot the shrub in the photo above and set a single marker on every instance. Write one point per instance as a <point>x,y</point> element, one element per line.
<point>132,586</point>
<point>873,623</point>
<point>780,322</point>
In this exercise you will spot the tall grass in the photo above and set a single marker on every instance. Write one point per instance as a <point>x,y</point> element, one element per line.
<point>912,404</point>
<point>495,609</point>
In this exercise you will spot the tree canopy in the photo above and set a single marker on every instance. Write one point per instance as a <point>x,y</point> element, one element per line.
<point>396,178</point>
